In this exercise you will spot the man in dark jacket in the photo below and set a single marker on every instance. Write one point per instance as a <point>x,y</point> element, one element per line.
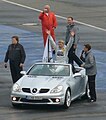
<point>91,70</point>
<point>16,56</point>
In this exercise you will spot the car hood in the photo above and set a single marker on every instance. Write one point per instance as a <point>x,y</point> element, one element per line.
<point>29,81</point>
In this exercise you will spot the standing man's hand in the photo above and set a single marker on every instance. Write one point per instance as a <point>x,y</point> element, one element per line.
<point>83,65</point>
<point>48,32</point>
<point>53,28</point>
<point>72,33</point>
<point>5,65</point>
<point>21,65</point>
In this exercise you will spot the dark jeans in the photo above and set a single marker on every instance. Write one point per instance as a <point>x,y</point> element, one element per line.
<point>91,82</point>
<point>73,57</point>
<point>15,70</point>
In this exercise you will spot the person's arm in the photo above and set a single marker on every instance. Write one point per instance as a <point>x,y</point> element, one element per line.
<point>76,35</point>
<point>53,44</point>
<point>41,15</point>
<point>54,21</point>
<point>81,56</point>
<point>23,56</point>
<point>75,30</point>
<point>69,44</point>
<point>6,56</point>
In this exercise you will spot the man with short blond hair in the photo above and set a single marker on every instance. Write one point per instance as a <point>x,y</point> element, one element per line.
<point>61,50</point>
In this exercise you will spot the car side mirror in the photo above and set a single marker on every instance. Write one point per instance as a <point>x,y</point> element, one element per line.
<point>76,75</point>
<point>23,72</point>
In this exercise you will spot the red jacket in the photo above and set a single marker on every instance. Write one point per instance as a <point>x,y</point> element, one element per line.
<point>48,22</point>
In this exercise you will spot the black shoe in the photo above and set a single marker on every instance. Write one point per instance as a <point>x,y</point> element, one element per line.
<point>91,100</point>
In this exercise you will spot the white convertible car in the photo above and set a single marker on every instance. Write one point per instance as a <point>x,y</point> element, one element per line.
<point>49,83</point>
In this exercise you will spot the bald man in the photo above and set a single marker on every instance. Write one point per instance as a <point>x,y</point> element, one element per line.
<point>49,22</point>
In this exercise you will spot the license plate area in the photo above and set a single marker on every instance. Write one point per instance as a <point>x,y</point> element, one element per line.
<point>34,98</point>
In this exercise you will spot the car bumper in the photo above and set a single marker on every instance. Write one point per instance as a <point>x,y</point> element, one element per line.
<point>31,99</point>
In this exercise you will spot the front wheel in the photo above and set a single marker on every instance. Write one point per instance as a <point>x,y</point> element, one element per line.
<point>67,102</point>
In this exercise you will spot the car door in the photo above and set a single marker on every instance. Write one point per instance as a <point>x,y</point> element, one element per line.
<point>83,81</point>
<point>76,84</point>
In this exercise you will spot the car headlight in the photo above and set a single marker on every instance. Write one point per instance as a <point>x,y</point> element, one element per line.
<point>16,88</point>
<point>57,89</point>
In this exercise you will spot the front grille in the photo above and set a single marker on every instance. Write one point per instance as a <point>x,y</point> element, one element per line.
<point>43,90</point>
<point>34,90</point>
<point>27,90</point>
<point>34,101</point>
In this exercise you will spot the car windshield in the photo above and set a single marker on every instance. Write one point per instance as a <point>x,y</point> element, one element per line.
<point>49,70</point>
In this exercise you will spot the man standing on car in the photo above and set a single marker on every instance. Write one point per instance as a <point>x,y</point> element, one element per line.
<point>16,56</point>
<point>49,22</point>
<point>91,71</point>
<point>72,28</point>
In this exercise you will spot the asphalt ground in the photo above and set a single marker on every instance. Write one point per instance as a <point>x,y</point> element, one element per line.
<point>13,21</point>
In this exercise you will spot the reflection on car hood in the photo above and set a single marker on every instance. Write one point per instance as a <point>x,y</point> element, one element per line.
<point>41,81</point>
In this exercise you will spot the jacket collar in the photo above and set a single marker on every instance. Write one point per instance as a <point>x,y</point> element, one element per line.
<point>87,52</point>
<point>71,25</point>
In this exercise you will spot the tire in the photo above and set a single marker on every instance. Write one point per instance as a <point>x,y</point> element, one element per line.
<point>67,101</point>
